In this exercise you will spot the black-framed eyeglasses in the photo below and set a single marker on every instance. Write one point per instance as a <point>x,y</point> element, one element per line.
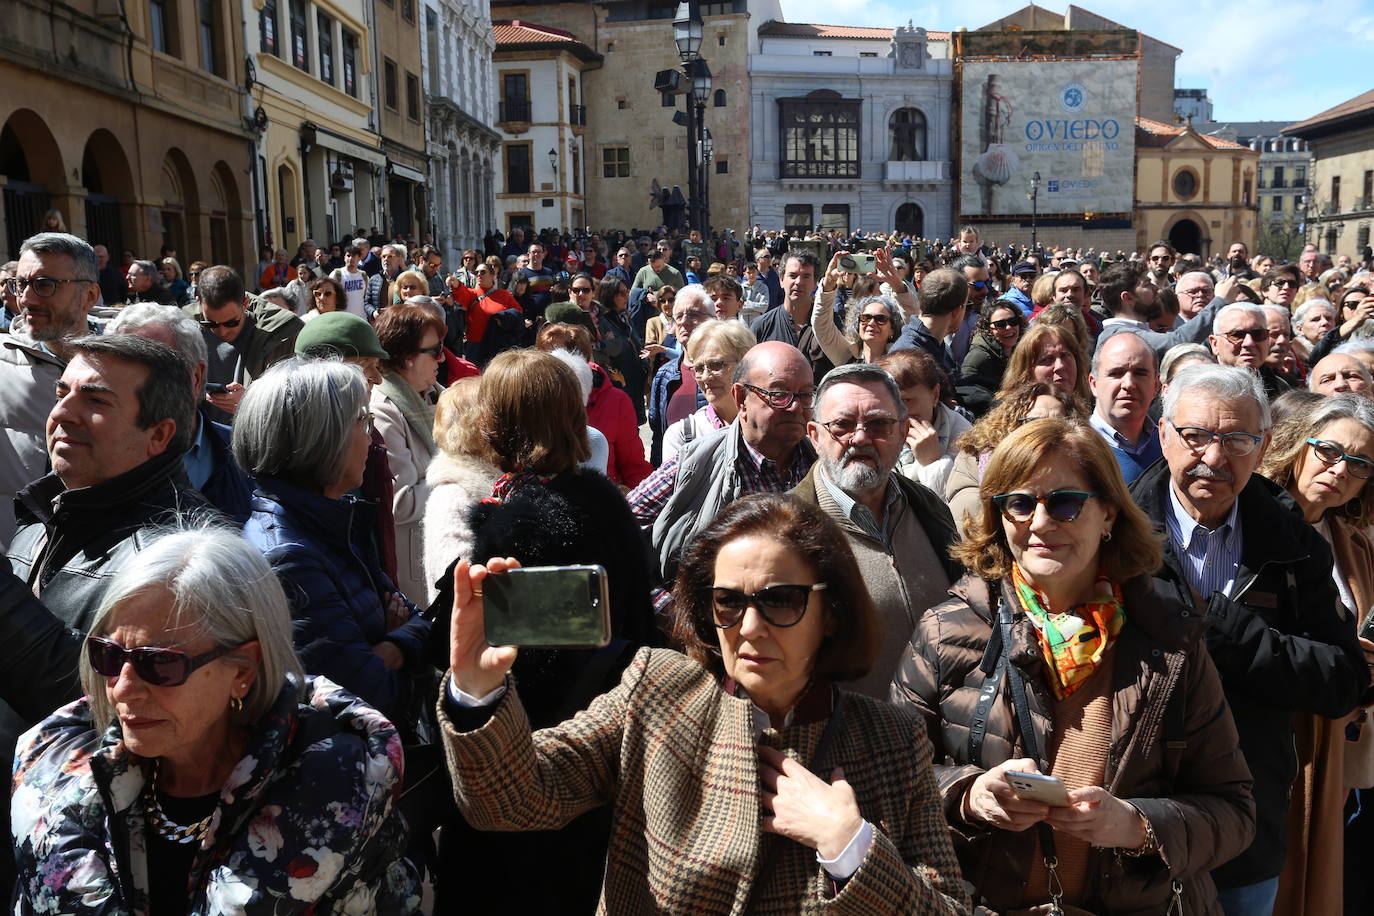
<point>1001,324</point>
<point>1236,445</point>
<point>155,665</point>
<point>43,287</point>
<point>435,352</point>
<point>211,325</point>
<point>1237,335</point>
<point>1331,454</point>
<point>780,605</point>
<point>845,428</point>
<point>1061,505</point>
<point>877,318</point>
<point>780,399</point>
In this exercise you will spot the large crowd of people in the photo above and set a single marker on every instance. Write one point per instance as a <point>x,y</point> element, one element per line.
<point>943,577</point>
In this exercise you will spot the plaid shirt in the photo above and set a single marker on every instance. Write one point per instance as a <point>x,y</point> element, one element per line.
<point>757,474</point>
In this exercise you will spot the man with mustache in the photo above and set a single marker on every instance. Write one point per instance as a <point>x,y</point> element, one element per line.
<point>900,531</point>
<point>1241,337</point>
<point>1238,550</point>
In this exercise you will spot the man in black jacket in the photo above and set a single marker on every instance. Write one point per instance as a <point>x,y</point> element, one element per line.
<point>1237,548</point>
<point>791,322</point>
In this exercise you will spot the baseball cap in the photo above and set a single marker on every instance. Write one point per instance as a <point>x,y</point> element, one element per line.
<point>1024,267</point>
<point>339,334</point>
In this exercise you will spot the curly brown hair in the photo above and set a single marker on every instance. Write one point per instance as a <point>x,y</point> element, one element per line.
<point>1010,412</point>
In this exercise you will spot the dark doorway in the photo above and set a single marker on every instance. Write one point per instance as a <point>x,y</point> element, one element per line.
<point>910,220</point>
<point>1186,237</point>
<point>402,207</point>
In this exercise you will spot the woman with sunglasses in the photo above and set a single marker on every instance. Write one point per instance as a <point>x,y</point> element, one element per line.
<point>1055,657</point>
<point>999,329</point>
<point>701,756</point>
<point>328,296</point>
<point>484,301</point>
<point>872,322</point>
<point>1020,405</point>
<point>203,772</point>
<point>403,413</point>
<point>1324,457</point>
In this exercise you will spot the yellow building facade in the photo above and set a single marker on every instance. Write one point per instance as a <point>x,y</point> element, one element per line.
<point>1198,192</point>
<point>1340,208</point>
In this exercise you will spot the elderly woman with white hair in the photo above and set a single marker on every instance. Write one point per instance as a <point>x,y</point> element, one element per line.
<point>303,431</point>
<point>872,323</point>
<point>203,772</point>
<point>1311,322</point>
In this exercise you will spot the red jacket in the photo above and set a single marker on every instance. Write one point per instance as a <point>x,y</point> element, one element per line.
<point>611,412</point>
<point>481,307</point>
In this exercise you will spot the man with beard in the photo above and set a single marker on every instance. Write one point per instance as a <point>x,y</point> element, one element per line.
<point>1131,297</point>
<point>900,531</point>
<point>1238,262</point>
<point>1161,258</point>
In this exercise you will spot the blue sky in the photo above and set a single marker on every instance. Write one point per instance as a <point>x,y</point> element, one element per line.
<point>1260,60</point>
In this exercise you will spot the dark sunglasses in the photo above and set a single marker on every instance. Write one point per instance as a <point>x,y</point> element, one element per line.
<point>211,325</point>
<point>435,352</point>
<point>581,289</point>
<point>979,284</point>
<point>874,319</point>
<point>1001,324</point>
<point>1062,505</point>
<point>155,665</point>
<point>1238,335</point>
<point>780,605</point>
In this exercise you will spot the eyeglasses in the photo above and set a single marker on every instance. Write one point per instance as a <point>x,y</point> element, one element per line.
<point>845,428</point>
<point>694,316</point>
<point>874,319</point>
<point>435,352</point>
<point>1285,282</point>
<point>1332,454</point>
<point>211,325</point>
<point>1001,324</point>
<point>780,605</point>
<point>778,399</point>
<point>979,284</point>
<point>1238,335</point>
<point>482,270</point>
<point>1061,505</point>
<point>579,290</point>
<point>713,366</point>
<point>155,665</point>
<point>43,287</point>
<point>1236,445</point>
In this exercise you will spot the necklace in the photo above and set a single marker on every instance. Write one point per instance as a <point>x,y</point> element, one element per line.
<point>168,829</point>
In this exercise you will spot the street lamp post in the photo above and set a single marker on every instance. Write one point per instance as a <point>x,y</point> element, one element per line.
<point>1034,196</point>
<point>687,34</point>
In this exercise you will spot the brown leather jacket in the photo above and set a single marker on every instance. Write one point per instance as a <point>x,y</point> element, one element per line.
<point>1173,755</point>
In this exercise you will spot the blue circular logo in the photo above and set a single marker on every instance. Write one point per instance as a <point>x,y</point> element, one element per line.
<point>1072,97</point>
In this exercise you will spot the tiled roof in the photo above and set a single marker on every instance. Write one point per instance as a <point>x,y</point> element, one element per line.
<point>1360,104</point>
<point>775,29</point>
<point>1157,133</point>
<point>513,32</point>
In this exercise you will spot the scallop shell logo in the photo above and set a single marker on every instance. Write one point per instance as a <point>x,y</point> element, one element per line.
<point>1073,97</point>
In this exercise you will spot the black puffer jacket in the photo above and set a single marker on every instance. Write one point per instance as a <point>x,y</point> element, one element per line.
<point>1279,644</point>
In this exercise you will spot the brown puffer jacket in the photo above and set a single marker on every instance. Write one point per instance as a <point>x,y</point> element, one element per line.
<point>1173,753</point>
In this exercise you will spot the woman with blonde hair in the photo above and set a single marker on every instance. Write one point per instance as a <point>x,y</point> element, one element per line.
<point>170,272</point>
<point>1048,353</point>
<point>407,285</point>
<point>713,351</point>
<point>1017,406</point>
<point>1051,653</point>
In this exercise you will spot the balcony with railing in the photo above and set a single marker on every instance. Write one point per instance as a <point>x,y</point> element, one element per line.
<point>924,170</point>
<point>514,110</point>
<point>577,117</point>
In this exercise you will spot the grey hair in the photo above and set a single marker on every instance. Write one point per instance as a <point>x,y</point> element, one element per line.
<point>1300,315</point>
<point>362,243</point>
<point>861,374</point>
<point>1235,308</point>
<point>856,307</point>
<point>1180,352</point>
<point>165,394</point>
<point>295,421</point>
<point>1355,347</point>
<point>1280,311</point>
<point>78,249</point>
<point>1342,407</point>
<point>1342,350</point>
<point>1197,273</point>
<point>1227,383</point>
<point>221,588</point>
<point>147,267</point>
<point>696,292</point>
<point>190,343</point>
<point>395,248</point>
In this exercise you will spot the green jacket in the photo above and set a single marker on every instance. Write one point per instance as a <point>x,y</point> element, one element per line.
<point>274,336</point>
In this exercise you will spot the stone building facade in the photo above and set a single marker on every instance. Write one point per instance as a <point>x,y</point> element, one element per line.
<point>882,159</point>
<point>401,116</point>
<point>1340,211</point>
<point>1195,190</point>
<point>132,128</point>
<point>460,87</point>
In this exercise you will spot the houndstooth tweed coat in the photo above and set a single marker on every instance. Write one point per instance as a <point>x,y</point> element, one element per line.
<point>676,757</point>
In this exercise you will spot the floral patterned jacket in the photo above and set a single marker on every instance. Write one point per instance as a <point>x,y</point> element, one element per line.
<point>305,822</point>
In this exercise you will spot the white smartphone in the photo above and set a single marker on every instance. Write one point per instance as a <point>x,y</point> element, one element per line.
<point>1048,790</point>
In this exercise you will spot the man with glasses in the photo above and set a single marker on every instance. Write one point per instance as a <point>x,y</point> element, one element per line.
<point>1240,337</point>
<point>1159,260</point>
<point>900,531</point>
<point>624,257</point>
<point>54,286</point>
<point>673,393</point>
<point>765,449</point>
<point>1195,291</point>
<point>1240,554</point>
<point>244,337</point>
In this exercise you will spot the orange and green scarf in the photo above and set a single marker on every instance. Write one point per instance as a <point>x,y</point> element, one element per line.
<point>1074,641</point>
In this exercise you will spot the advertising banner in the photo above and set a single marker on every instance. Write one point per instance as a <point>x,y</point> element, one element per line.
<point>1073,121</point>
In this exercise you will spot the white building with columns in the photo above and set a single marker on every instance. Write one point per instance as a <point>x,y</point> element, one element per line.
<point>464,152</point>
<point>851,129</point>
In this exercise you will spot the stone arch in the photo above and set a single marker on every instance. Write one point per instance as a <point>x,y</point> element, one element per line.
<point>111,208</point>
<point>910,219</point>
<point>908,135</point>
<point>31,161</point>
<point>225,187</point>
<point>1187,232</point>
<point>178,206</point>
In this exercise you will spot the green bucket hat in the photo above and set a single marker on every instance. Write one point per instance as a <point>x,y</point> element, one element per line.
<point>339,333</point>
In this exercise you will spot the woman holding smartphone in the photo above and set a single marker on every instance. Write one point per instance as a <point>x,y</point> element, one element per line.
<point>740,777</point>
<point>1055,658</point>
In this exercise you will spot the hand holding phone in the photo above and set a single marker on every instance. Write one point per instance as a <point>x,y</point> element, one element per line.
<point>549,607</point>
<point>478,667</point>
<point>992,800</point>
<point>1047,790</point>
